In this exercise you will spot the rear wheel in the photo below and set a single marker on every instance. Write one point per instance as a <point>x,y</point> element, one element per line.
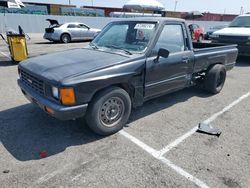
<point>65,38</point>
<point>215,79</point>
<point>109,111</point>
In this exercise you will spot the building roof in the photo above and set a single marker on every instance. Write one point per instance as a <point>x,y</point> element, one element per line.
<point>144,5</point>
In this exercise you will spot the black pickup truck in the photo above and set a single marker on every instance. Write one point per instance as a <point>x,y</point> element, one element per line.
<point>128,63</point>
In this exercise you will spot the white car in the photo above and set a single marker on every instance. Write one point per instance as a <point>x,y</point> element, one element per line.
<point>68,32</point>
<point>238,32</point>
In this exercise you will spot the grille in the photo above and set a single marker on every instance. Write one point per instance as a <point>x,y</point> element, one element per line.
<point>32,82</point>
<point>233,39</point>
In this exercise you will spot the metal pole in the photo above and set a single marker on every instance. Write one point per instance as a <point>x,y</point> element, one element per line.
<point>241,10</point>
<point>69,2</point>
<point>175,6</point>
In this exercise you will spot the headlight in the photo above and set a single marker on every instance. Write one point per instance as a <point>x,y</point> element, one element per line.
<point>55,92</point>
<point>67,96</point>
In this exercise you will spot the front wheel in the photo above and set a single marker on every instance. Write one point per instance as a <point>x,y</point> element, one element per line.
<point>215,79</point>
<point>109,111</point>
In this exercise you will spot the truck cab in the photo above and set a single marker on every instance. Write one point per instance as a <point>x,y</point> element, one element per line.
<point>129,62</point>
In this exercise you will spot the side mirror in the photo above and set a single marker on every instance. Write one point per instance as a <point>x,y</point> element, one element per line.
<point>162,53</point>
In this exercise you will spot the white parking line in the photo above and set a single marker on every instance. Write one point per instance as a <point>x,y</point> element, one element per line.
<point>178,141</point>
<point>76,177</point>
<point>209,120</point>
<point>53,174</point>
<point>6,55</point>
<point>156,155</point>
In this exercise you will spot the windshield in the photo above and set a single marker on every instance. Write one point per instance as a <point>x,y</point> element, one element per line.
<point>126,36</point>
<point>241,22</point>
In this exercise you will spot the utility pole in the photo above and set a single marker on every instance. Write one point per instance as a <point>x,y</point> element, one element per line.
<point>241,10</point>
<point>175,6</point>
<point>69,2</point>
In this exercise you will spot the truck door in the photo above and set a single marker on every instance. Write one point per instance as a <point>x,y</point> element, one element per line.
<point>171,73</point>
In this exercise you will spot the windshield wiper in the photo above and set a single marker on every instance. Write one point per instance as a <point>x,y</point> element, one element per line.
<point>119,48</point>
<point>93,46</point>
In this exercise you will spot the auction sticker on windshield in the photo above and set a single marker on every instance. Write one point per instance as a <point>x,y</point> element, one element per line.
<point>144,26</point>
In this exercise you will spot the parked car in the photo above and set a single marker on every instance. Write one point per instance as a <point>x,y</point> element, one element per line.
<point>238,32</point>
<point>212,30</point>
<point>68,32</point>
<point>128,63</point>
<point>197,32</point>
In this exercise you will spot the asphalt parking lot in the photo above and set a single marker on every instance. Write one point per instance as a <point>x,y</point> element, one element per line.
<point>158,148</point>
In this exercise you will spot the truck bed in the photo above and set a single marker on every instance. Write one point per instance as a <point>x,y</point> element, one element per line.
<point>206,54</point>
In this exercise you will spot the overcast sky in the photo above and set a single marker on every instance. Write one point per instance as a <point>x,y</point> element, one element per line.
<point>215,6</point>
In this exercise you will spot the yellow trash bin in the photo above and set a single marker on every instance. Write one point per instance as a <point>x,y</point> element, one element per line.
<point>18,47</point>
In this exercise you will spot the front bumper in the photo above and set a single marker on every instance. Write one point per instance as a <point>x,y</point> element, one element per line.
<point>59,111</point>
<point>243,47</point>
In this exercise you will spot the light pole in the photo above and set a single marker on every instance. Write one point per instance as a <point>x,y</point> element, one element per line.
<point>69,2</point>
<point>241,10</point>
<point>175,6</point>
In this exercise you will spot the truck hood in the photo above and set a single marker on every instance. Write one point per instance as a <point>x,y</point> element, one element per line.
<point>234,31</point>
<point>58,66</point>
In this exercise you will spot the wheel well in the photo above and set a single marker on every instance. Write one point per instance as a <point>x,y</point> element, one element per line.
<point>65,34</point>
<point>129,89</point>
<point>199,77</point>
<point>210,66</point>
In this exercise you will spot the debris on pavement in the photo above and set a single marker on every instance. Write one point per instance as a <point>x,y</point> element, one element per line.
<point>6,171</point>
<point>43,154</point>
<point>208,129</point>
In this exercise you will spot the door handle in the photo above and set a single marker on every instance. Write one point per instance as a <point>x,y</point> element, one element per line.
<point>185,60</point>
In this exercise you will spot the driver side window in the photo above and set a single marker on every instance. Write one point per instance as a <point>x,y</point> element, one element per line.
<point>171,39</point>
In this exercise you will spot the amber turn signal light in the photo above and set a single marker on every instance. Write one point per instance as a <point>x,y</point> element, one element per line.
<point>49,110</point>
<point>67,96</point>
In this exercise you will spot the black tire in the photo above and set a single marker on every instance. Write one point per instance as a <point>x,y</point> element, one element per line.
<point>109,111</point>
<point>215,79</point>
<point>65,38</point>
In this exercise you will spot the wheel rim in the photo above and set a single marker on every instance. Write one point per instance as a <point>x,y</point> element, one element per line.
<point>220,80</point>
<point>112,111</point>
<point>65,39</point>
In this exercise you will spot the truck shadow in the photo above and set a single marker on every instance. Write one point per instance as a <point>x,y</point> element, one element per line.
<point>26,130</point>
<point>167,101</point>
<point>6,63</point>
<point>243,61</point>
